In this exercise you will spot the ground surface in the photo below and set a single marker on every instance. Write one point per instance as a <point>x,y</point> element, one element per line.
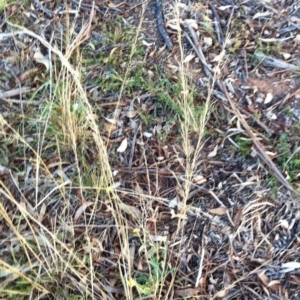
<point>127,170</point>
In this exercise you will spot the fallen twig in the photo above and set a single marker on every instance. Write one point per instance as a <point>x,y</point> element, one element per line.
<point>288,96</point>
<point>197,47</point>
<point>268,130</point>
<point>133,146</point>
<point>258,146</point>
<point>161,27</point>
<point>268,61</point>
<point>14,92</point>
<point>219,32</point>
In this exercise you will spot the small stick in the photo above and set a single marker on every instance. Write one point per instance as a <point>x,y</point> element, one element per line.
<point>268,61</point>
<point>217,23</point>
<point>197,47</point>
<point>258,146</point>
<point>268,130</point>
<point>161,27</point>
<point>133,146</point>
<point>230,17</point>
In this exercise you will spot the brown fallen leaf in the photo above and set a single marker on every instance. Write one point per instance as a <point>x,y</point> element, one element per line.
<point>40,58</point>
<point>264,278</point>
<point>134,211</point>
<point>131,113</point>
<point>123,146</point>
<point>110,127</point>
<point>221,294</point>
<point>189,292</point>
<point>112,5</point>
<point>42,212</point>
<point>81,209</point>
<point>214,152</point>
<point>237,218</point>
<point>27,74</point>
<point>220,211</point>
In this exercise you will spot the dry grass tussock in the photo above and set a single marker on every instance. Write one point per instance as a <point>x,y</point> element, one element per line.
<point>57,229</point>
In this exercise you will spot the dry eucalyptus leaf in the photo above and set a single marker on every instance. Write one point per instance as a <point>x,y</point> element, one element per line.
<point>285,55</point>
<point>134,211</point>
<point>131,113</point>
<point>290,266</point>
<point>173,203</point>
<point>112,5</point>
<point>179,215</point>
<point>112,51</point>
<point>274,283</point>
<point>112,121</point>
<point>219,57</point>
<point>175,27</point>
<point>81,209</point>
<point>271,153</point>
<point>28,74</point>
<point>268,98</point>
<point>221,294</point>
<point>261,14</point>
<point>123,146</point>
<point>41,59</point>
<point>158,238</point>
<point>106,59</point>
<point>217,70</point>
<point>199,179</point>
<point>147,44</point>
<point>109,127</point>
<point>284,224</point>
<point>188,292</point>
<point>220,211</point>
<point>173,24</point>
<point>147,135</point>
<point>294,19</point>
<point>214,152</point>
<point>189,58</point>
<point>224,7</point>
<point>20,44</point>
<point>113,187</point>
<point>191,22</point>
<point>42,212</point>
<point>297,39</point>
<point>160,158</point>
<point>207,41</point>
<point>4,170</point>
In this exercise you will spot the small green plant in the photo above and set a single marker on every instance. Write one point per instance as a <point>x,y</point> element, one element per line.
<point>244,144</point>
<point>288,111</point>
<point>269,48</point>
<point>21,289</point>
<point>165,91</point>
<point>289,159</point>
<point>156,255</point>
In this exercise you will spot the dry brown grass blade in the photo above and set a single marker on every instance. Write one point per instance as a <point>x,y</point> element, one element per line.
<point>83,35</point>
<point>259,147</point>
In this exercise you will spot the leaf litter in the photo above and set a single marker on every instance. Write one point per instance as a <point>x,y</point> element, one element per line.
<point>235,234</point>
